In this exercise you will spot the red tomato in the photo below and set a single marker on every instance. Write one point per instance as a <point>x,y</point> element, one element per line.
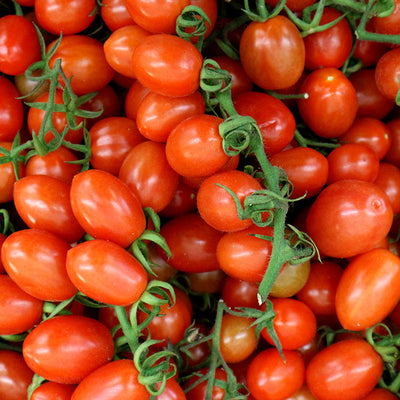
<point>389,24</point>
<point>388,180</point>
<point>238,293</point>
<point>331,105</point>
<point>43,202</point>
<point>106,272</point>
<point>349,217</point>
<point>35,260</point>
<point>53,391</point>
<point>206,282</point>
<point>106,208</point>
<point>168,65</point>
<point>346,370</point>
<point>19,310</point>
<point>19,44</point>
<point>136,93</point>
<point>15,375</point>
<point>172,391</point>
<point>387,73</point>
<point>66,348</point>
<point>148,174</point>
<point>198,392</point>
<point>217,207</point>
<point>272,52</point>
<point>368,290</point>
<point>380,394</point>
<point>115,15</point>
<point>393,154</point>
<point>294,5</point>
<point>269,377</point>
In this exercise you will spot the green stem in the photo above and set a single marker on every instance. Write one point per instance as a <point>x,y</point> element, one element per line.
<point>128,330</point>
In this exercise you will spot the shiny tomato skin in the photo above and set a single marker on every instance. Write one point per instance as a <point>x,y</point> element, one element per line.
<point>11,110</point>
<point>349,217</point>
<point>346,370</point>
<point>393,153</point>
<point>198,392</point>
<point>368,290</point>
<point>66,348</point>
<point>19,310</point>
<point>380,394</point>
<point>239,293</point>
<point>35,260</point>
<point>106,272</point>
<point>43,202</point>
<point>115,15</point>
<point>136,93</point>
<point>168,65</point>
<point>331,105</point>
<point>272,53</point>
<point>172,391</point>
<point>92,201</point>
<point>388,180</point>
<point>387,73</point>
<point>53,391</point>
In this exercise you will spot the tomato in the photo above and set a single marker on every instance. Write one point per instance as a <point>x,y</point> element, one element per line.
<point>83,60</point>
<point>136,93</point>
<point>106,272</point>
<point>217,207</point>
<point>158,115</point>
<point>330,47</point>
<point>387,73</point>
<point>15,375</point>
<point>206,282</point>
<point>66,348</point>
<point>11,110</point>
<point>114,14</point>
<point>294,5</point>
<point>368,290</point>
<point>35,260</point>
<point>349,217</point>
<point>148,174</point>
<point>198,392</point>
<point>192,242</point>
<point>393,154</point>
<point>272,53</point>
<point>210,8</point>
<point>306,168</point>
<point>348,370</point>
<point>269,377</point>
<point>388,180</point>
<point>303,393</point>
<point>116,380</point>
<point>120,45</point>
<point>238,293</point>
<point>380,394</point>
<point>172,391</point>
<point>389,24</point>
<point>53,391</point>
<point>19,44</point>
<point>19,310</point>
<point>106,208</point>
<point>43,202</point>
<point>331,105</point>
<point>274,119</point>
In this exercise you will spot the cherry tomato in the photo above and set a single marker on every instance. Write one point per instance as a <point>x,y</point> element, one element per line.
<point>136,93</point>
<point>389,24</point>
<point>206,282</point>
<point>198,392</point>
<point>380,394</point>
<point>53,391</point>
<point>294,5</point>
<point>272,52</point>
<point>393,153</point>
<point>349,217</point>
<point>387,73</point>
<point>388,180</point>
<point>238,293</point>
<point>172,391</point>
<point>106,272</point>
<point>114,14</point>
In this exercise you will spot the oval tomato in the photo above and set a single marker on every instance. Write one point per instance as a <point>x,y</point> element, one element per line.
<point>387,73</point>
<point>114,14</point>
<point>53,391</point>
<point>388,180</point>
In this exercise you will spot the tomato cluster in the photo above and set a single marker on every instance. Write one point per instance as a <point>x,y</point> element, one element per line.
<point>200,200</point>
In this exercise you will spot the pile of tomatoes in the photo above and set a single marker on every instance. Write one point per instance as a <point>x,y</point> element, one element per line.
<point>199,199</point>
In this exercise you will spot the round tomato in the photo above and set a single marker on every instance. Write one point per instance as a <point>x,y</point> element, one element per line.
<point>114,14</point>
<point>238,293</point>
<point>198,391</point>
<point>388,180</point>
<point>136,93</point>
<point>387,73</point>
<point>393,153</point>
<point>53,391</point>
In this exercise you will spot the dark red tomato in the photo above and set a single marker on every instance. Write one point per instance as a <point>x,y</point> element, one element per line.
<point>295,323</point>
<point>146,171</point>
<point>167,64</point>
<point>352,161</point>
<point>11,110</point>
<point>371,132</point>
<point>106,272</point>
<point>388,180</point>
<point>186,143</point>
<point>2,239</point>
<point>346,370</point>
<point>83,60</point>
<point>388,25</point>
<point>349,217</point>
<point>244,256</point>
<point>120,45</point>
<point>53,391</point>
<point>393,153</point>
<point>19,44</point>
<point>306,168</point>
<point>272,53</point>
<point>19,310</point>
<point>380,394</point>
<point>274,119</point>
<point>193,243</point>
<point>269,377</point>
<point>216,205</point>
<point>320,289</point>
<point>43,202</point>
<point>371,102</point>
<point>198,392</point>
<point>116,380</point>
<point>27,3</point>
<point>15,375</point>
<point>114,14</point>
<point>206,282</point>
<point>172,391</point>
<point>136,93</point>
<point>65,16</point>
<point>158,115</point>
<point>368,290</point>
<point>387,73</point>
<point>111,139</point>
<point>57,164</point>
<point>331,105</point>
<point>238,293</point>
<point>237,340</point>
<point>294,5</point>
<point>35,260</point>
<point>66,348</point>
<point>332,46</point>
<point>106,208</point>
